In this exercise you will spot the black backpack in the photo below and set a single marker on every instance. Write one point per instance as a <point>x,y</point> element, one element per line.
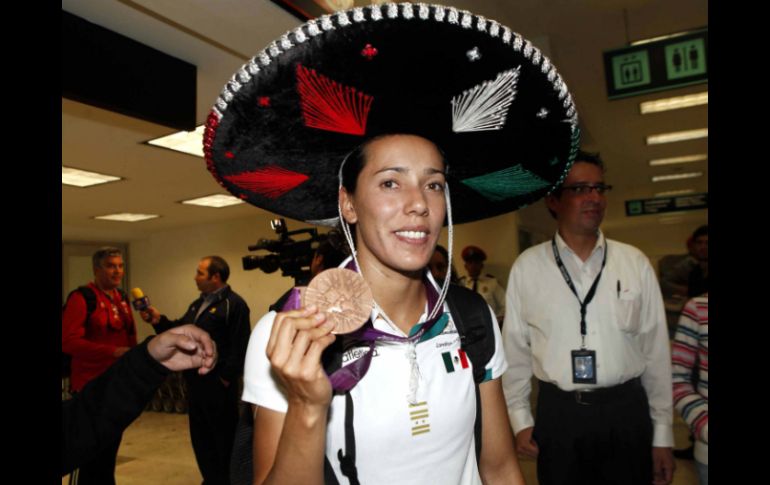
<point>471,316</point>
<point>90,297</point>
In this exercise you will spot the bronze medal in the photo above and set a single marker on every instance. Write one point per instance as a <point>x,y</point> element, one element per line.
<point>343,295</point>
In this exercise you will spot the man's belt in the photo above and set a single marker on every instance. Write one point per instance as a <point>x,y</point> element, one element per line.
<point>599,395</point>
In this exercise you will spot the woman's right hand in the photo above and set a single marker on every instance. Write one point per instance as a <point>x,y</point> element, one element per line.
<point>297,340</point>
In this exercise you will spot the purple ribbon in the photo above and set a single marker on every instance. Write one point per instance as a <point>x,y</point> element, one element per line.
<point>345,378</point>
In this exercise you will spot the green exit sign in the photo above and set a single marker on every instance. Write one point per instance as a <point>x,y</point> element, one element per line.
<point>669,63</point>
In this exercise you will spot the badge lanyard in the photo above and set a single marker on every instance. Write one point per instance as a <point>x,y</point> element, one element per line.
<point>589,295</point>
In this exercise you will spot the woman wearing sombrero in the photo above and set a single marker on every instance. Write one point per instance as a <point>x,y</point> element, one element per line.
<point>366,118</point>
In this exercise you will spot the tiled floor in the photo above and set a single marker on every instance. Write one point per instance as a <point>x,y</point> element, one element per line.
<point>156,450</point>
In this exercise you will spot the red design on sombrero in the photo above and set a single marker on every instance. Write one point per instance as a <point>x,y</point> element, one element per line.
<point>271,182</point>
<point>328,105</point>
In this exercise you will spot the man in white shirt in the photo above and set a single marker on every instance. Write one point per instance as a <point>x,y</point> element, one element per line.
<point>585,315</point>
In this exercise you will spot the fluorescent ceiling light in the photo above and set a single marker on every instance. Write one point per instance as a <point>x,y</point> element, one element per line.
<point>677,136</point>
<point>216,200</point>
<point>676,102</point>
<point>127,217</point>
<point>671,193</point>
<point>82,178</point>
<point>676,176</point>
<point>674,160</point>
<point>189,142</point>
<point>662,37</point>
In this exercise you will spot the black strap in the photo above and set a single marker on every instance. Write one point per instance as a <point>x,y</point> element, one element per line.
<point>568,279</point>
<point>348,459</point>
<point>470,314</point>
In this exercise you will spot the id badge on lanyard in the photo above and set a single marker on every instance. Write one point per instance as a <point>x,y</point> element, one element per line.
<point>583,359</point>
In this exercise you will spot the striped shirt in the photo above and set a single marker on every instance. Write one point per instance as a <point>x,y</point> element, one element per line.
<point>689,354</point>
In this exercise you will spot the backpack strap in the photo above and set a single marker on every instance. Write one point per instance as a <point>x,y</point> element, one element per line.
<point>470,314</point>
<point>89,296</point>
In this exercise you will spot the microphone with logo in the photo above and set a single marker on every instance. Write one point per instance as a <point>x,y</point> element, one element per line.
<point>141,302</point>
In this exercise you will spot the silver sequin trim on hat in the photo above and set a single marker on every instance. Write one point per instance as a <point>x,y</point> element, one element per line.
<point>243,76</point>
<point>552,74</point>
<point>536,57</point>
<point>546,66</point>
<point>481,24</point>
<point>527,49</point>
<point>253,67</point>
<point>221,104</point>
<point>473,54</point>
<point>299,35</point>
<point>217,113</point>
<point>485,106</point>
<point>424,11</point>
<point>542,113</point>
<point>494,28</point>
<point>286,43</point>
<point>439,14</point>
<point>312,28</point>
<point>567,101</point>
<point>264,58</point>
<point>392,10</point>
<point>274,50</point>
<point>453,16</point>
<point>506,35</point>
<point>227,95</point>
<point>358,14</point>
<point>376,12</point>
<point>518,42</point>
<point>326,23</point>
<point>234,85</point>
<point>407,11</point>
<point>342,19</point>
<point>467,20</point>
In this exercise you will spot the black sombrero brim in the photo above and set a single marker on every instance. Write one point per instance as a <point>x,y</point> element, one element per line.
<point>287,119</point>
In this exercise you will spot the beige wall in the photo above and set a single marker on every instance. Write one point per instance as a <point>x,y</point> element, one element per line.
<point>163,265</point>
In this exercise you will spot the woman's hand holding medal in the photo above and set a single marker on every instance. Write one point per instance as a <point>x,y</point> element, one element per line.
<point>297,339</point>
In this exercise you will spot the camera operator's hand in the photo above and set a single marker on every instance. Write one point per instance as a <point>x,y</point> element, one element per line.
<point>297,339</point>
<point>151,315</point>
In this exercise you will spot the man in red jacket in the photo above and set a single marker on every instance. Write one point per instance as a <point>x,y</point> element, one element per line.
<point>97,328</point>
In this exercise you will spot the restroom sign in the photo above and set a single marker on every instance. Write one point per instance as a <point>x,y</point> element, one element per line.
<point>673,62</point>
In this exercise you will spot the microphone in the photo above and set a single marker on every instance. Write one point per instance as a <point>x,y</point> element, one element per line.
<point>141,302</point>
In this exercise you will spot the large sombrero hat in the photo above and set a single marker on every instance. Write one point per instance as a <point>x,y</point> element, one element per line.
<point>488,98</point>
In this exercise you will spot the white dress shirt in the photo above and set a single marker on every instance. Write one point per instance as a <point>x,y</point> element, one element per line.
<point>625,325</point>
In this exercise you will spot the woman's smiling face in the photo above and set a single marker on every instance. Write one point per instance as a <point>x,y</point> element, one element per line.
<point>398,205</point>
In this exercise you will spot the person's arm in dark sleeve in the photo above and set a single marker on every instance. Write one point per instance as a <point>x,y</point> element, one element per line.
<point>239,329</point>
<point>107,405</point>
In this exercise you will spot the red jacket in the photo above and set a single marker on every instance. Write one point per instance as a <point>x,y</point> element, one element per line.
<point>92,344</point>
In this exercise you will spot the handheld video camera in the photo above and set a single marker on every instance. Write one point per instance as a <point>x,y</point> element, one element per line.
<point>292,257</point>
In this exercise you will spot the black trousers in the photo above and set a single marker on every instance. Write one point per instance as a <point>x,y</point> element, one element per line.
<point>213,413</point>
<point>605,439</point>
<point>100,470</point>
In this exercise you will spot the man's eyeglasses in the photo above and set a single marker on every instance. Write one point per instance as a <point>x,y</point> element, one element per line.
<point>585,189</point>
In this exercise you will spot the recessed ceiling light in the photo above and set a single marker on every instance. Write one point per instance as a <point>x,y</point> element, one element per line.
<point>83,178</point>
<point>676,176</point>
<point>127,217</point>
<point>189,142</point>
<point>677,136</point>
<point>216,200</point>
<point>670,193</point>
<point>674,160</point>
<point>676,102</point>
